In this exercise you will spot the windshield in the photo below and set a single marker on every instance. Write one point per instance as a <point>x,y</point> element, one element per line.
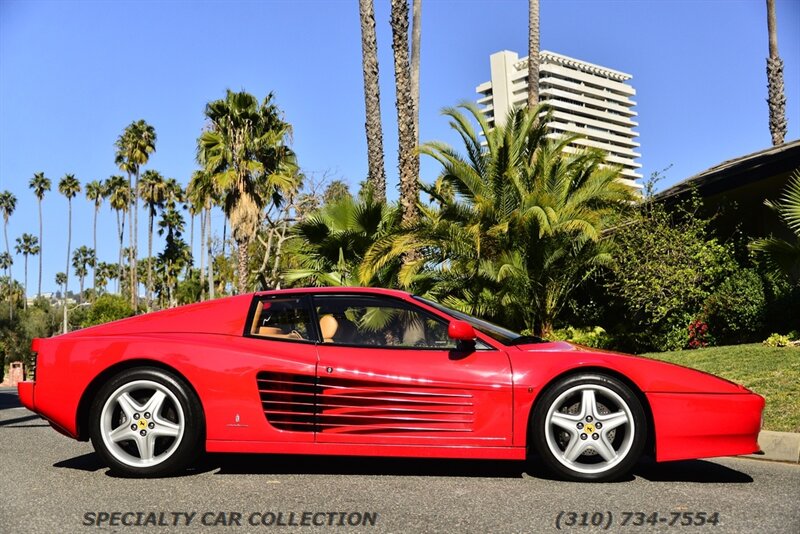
<point>498,333</point>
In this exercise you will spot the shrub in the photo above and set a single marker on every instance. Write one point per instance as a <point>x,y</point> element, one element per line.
<point>106,309</point>
<point>698,335</point>
<point>666,268</point>
<point>735,311</point>
<point>777,340</point>
<point>591,337</point>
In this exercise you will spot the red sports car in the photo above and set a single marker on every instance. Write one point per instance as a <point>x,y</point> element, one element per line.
<point>373,372</point>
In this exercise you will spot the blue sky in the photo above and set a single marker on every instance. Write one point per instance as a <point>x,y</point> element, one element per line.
<point>74,74</point>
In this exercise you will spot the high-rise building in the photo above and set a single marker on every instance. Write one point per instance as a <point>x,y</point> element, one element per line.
<point>586,99</point>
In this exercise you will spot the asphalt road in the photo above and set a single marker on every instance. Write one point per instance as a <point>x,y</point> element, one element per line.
<point>52,484</point>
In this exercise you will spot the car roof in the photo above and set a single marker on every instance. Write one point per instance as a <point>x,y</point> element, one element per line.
<point>322,290</point>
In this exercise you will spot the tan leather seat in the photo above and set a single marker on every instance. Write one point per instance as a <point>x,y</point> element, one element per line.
<point>270,331</point>
<point>328,325</point>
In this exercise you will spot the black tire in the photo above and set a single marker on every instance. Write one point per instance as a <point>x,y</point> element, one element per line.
<point>134,442</point>
<point>588,427</point>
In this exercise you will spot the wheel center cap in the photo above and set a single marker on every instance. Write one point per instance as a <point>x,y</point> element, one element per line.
<point>142,424</point>
<point>589,428</point>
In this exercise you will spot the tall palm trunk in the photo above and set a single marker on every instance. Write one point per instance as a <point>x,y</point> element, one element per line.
<point>776,98</point>
<point>94,245</point>
<point>10,277</point>
<point>121,233</point>
<point>135,252</point>
<point>210,255</point>
<point>372,100</point>
<point>41,250</point>
<point>533,53</point>
<point>66,283</point>
<point>243,260</point>
<point>130,245</point>
<point>25,300</point>
<point>150,260</point>
<point>416,32</point>
<point>202,254</point>
<point>408,161</point>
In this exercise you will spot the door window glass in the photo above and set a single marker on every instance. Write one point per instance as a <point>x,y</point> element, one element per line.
<point>379,322</point>
<point>283,318</point>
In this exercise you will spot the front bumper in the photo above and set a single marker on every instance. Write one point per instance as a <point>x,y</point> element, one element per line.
<point>25,390</point>
<point>703,425</point>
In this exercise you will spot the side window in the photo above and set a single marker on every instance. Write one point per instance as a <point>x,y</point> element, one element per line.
<point>379,322</point>
<point>283,318</point>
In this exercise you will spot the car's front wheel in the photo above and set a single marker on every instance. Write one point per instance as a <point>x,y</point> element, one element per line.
<point>589,427</point>
<point>146,422</point>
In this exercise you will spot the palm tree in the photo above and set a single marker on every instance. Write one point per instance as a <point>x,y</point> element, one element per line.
<point>61,282</point>
<point>69,187</point>
<point>96,192</point>
<point>784,256</point>
<point>334,240</point>
<point>176,251</point>
<point>200,192</point>
<point>518,222</point>
<point>119,197</point>
<point>40,185</point>
<point>533,53</point>
<point>372,99</point>
<point>776,98</point>
<point>6,260</point>
<point>153,191</point>
<point>105,272</point>
<point>134,147</point>
<point>408,160</point>
<point>8,203</point>
<point>82,258</point>
<point>245,153</point>
<point>27,245</point>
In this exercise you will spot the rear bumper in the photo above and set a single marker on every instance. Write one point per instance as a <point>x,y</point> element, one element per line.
<point>25,391</point>
<point>703,425</point>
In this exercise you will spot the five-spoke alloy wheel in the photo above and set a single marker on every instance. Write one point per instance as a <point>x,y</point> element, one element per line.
<point>589,427</point>
<point>146,422</point>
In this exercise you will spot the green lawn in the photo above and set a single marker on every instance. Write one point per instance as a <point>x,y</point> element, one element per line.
<point>772,372</point>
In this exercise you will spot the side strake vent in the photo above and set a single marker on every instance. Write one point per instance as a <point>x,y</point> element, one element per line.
<point>351,406</point>
<point>288,400</point>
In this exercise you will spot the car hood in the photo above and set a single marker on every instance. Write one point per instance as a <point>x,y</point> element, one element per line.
<point>651,376</point>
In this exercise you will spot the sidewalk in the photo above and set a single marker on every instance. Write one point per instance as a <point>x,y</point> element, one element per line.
<point>778,446</point>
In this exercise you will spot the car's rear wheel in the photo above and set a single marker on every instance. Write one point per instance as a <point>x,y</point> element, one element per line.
<point>589,427</point>
<point>146,422</point>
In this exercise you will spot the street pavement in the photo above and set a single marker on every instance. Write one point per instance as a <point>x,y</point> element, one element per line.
<point>53,484</point>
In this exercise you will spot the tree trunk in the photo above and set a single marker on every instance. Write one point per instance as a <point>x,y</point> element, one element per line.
<point>25,300</point>
<point>408,162</point>
<point>243,262</point>
<point>94,244</point>
<point>533,53</point>
<point>135,245</point>
<point>372,100</point>
<point>416,31</point>
<point>202,254</point>
<point>66,282</point>
<point>210,255</point>
<point>121,233</point>
<point>10,277</point>
<point>150,261</point>
<point>776,98</point>
<point>41,250</point>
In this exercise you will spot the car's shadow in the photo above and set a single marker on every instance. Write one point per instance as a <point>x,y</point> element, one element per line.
<point>699,471</point>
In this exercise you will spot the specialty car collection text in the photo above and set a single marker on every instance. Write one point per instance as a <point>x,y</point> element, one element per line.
<point>230,519</point>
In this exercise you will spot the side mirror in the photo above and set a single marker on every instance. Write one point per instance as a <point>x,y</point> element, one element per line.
<point>461,331</point>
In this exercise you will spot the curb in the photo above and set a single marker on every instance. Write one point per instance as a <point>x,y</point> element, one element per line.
<point>778,447</point>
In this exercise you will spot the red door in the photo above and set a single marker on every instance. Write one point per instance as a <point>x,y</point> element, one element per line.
<point>390,376</point>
